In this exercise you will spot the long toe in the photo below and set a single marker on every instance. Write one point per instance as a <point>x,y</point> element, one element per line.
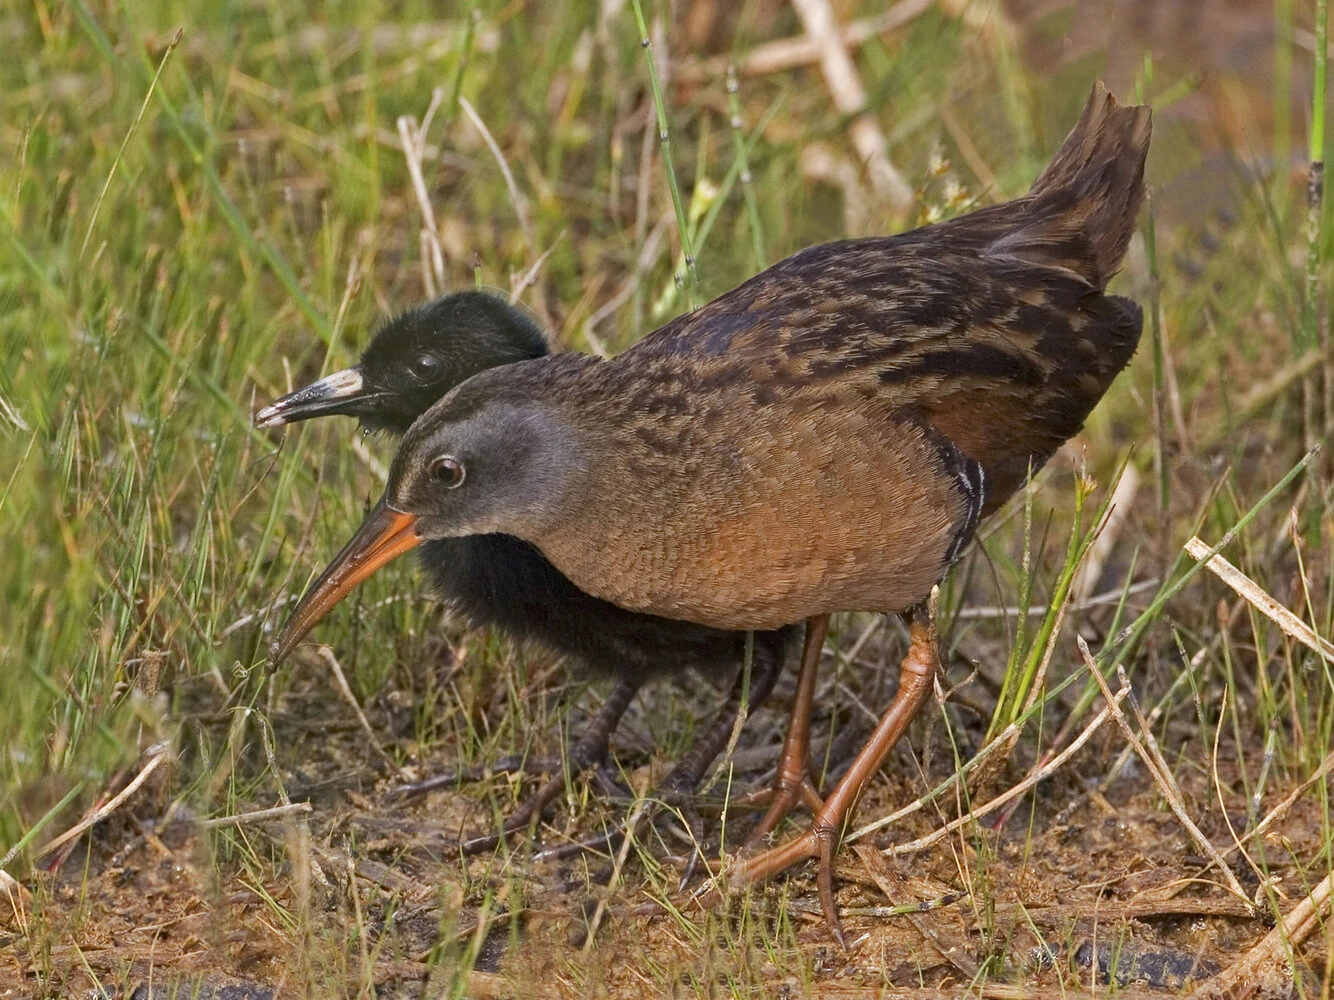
<point>480,844</point>
<point>824,884</point>
<point>608,784</point>
<point>599,843</point>
<point>765,865</point>
<point>527,812</point>
<point>694,823</point>
<point>587,753</point>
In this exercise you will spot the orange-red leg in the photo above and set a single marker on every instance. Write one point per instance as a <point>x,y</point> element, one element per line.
<point>819,841</point>
<point>793,781</point>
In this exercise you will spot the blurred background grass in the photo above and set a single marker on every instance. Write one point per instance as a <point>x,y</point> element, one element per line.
<point>193,223</point>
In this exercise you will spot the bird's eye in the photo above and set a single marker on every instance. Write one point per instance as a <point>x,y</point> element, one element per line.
<point>425,365</point>
<point>447,471</point>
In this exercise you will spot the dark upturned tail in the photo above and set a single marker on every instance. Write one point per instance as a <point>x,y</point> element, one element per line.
<point>1082,208</point>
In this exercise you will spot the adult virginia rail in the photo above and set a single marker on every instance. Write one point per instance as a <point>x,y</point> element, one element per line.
<point>825,437</point>
<point>497,580</point>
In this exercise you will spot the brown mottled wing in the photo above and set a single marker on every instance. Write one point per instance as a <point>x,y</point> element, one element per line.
<point>1003,358</point>
<point>1015,426</point>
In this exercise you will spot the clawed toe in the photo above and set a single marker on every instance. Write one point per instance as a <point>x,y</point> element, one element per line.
<point>588,752</point>
<point>821,838</point>
<point>599,843</point>
<point>824,885</point>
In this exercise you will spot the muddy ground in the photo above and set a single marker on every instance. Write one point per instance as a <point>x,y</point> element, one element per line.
<point>1090,880</point>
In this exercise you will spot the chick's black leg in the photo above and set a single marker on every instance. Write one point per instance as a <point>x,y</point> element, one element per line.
<point>679,786</point>
<point>677,790</point>
<point>588,751</point>
<point>591,749</point>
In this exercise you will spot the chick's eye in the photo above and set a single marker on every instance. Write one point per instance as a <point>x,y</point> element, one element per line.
<point>447,471</point>
<point>425,365</point>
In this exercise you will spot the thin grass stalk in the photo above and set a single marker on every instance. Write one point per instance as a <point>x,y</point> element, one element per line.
<point>1282,93</point>
<point>1315,194</point>
<point>1124,643</point>
<point>1019,680</point>
<point>41,823</point>
<point>1160,465</point>
<point>1021,685</point>
<point>1039,652</point>
<point>706,200</point>
<point>465,53</point>
<point>704,211</point>
<point>690,278</point>
<point>129,134</point>
<point>735,173</point>
<point>724,765</point>
<point>743,158</point>
<point>262,249</point>
<point>1020,645</point>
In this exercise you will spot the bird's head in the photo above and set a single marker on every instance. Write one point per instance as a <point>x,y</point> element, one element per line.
<point>414,359</point>
<point>487,458</point>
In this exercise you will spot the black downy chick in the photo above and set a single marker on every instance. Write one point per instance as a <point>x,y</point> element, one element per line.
<point>503,582</point>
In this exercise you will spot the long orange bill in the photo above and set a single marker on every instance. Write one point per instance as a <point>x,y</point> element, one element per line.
<point>385,534</point>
